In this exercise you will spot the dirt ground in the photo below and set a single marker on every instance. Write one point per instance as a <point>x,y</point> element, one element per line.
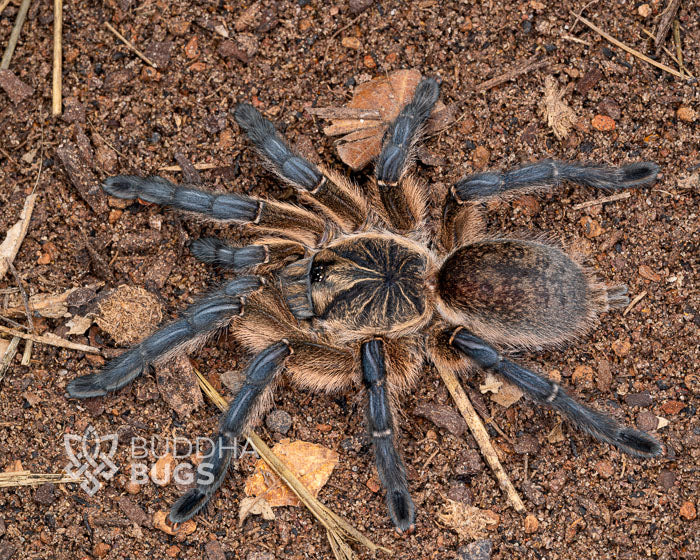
<point>121,116</point>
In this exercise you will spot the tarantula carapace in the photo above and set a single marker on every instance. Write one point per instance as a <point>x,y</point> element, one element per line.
<point>350,288</point>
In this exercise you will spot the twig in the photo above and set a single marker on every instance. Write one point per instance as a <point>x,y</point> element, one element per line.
<point>575,39</point>
<point>344,113</point>
<point>51,340</point>
<point>15,235</point>
<point>630,50</point>
<point>634,302</point>
<point>131,46</point>
<point>14,35</point>
<point>8,356</point>
<point>578,16</point>
<point>603,200</point>
<point>677,40</point>
<point>482,438</point>
<point>530,65</point>
<point>198,166</point>
<point>336,526</point>
<point>27,478</point>
<point>669,53</point>
<point>25,299</point>
<point>338,31</point>
<point>667,17</point>
<point>57,104</point>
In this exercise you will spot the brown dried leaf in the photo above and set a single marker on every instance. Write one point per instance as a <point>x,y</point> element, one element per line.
<point>468,522</point>
<point>178,386</point>
<point>254,506</point>
<point>311,463</point>
<point>504,393</point>
<point>560,117</point>
<point>366,117</point>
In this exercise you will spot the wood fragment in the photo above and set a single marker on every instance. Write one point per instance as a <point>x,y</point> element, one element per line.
<point>634,302</point>
<point>677,40</point>
<point>344,113</point>
<point>57,83</point>
<point>15,235</point>
<point>131,46</point>
<point>630,50</point>
<point>14,35</point>
<point>28,478</point>
<point>482,438</point>
<point>198,166</point>
<point>27,356</point>
<point>603,200</point>
<point>667,17</point>
<point>337,529</point>
<point>528,66</point>
<point>8,356</point>
<point>575,39</point>
<point>51,340</point>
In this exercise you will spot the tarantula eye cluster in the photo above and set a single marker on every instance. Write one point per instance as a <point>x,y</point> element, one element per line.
<point>349,287</point>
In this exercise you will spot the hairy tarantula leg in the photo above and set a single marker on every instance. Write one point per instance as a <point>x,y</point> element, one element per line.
<point>549,393</point>
<point>547,173</point>
<point>214,251</point>
<point>198,321</point>
<point>212,471</point>
<point>399,140</point>
<point>279,217</point>
<point>390,467</point>
<point>334,195</point>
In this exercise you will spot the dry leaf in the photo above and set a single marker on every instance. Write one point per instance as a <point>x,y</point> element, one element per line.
<point>504,393</point>
<point>560,117</point>
<point>556,435</point>
<point>15,235</point>
<point>178,385</point>
<point>254,506</point>
<point>78,325</point>
<point>311,463</point>
<point>373,106</point>
<point>468,522</point>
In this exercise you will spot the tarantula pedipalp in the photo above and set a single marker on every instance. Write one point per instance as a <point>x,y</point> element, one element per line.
<point>355,277</point>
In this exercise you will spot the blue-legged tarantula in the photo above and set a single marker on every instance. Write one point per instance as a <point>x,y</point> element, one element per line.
<point>352,289</point>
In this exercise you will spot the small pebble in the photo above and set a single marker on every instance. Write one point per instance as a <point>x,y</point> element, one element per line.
<point>621,347</point>
<point>688,511</point>
<point>686,114</point>
<point>468,463</point>
<point>214,551</point>
<point>672,407</point>
<point>359,6</point>
<point>369,61</point>
<point>351,43</point>
<point>527,445</point>
<point>648,274</point>
<point>101,549</point>
<point>603,123</point>
<point>173,551</point>
<point>278,421</point>
<point>163,469</point>
<point>45,494</point>
<point>591,228</point>
<point>531,524</point>
<point>647,421</point>
<point>644,10</point>
<point>638,399</point>
<point>373,485</point>
<point>605,468</point>
<point>477,550</point>
<point>480,157</point>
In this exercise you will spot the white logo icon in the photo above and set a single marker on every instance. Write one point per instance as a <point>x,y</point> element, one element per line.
<point>89,460</point>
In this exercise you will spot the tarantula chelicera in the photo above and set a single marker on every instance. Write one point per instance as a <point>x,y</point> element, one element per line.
<point>351,288</point>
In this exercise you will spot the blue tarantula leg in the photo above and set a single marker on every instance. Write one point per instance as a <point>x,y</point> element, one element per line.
<point>277,251</point>
<point>277,217</point>
<point>548,173</point>
<point>549,393</point>
<point>331,193</point>
<point>390,467</point>
<point>199,320</point>
<point>212,471</point>
<point>397,149</point>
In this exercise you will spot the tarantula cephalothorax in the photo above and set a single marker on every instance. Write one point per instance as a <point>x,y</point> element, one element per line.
<point>352,289</point>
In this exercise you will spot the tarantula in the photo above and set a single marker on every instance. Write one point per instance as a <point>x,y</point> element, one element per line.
<point>353,289</point>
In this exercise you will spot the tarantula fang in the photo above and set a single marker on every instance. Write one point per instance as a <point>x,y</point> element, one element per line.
<point>350,287</point>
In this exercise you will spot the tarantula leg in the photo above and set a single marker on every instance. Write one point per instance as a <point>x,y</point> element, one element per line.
<point>212,471</point>
<point>390,467</point>
<point>402,201</point>
<point>198,321</point>
<point>334,195</point>
<point>269,251</point>
<point>548,173</point>
<point>278,217</point>
<point>549,393</point>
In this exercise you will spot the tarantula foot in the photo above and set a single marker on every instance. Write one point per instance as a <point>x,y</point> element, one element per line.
<point>401,510</point>
<point>638,443</point>
<point>85,387</point>
<point>189,505</point>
